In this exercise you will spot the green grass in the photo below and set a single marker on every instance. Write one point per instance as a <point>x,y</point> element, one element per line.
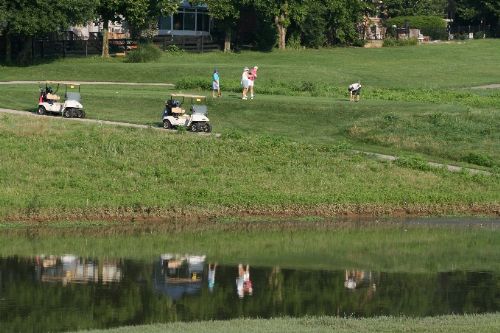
<point>443,324</point>
<point>51,166</point>
<point>441,130</point>
<point>461,64</point>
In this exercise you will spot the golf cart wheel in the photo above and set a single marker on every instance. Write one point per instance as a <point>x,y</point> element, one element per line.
<point>195,127</point>
<point>41,110</point>
<point>80,113</point>
<point>167,124</point>
<point>206,127</point>
<point>67,113</point>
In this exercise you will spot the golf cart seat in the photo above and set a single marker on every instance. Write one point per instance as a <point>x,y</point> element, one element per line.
<point>53,97</point>
<point>199,109</point>
<point>178,110</point>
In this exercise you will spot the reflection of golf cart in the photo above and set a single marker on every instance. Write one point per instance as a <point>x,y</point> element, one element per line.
<point>48,101</point>
<point>178,275</point>
<point>175,115</point>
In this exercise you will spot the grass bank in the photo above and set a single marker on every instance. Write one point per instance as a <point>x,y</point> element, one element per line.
<point>443,324</point>
<point>57,169</point>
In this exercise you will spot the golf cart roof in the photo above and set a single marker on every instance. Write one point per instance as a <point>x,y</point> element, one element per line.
<point>188,96</point>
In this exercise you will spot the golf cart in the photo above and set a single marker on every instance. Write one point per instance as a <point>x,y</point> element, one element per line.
<point>175,115</point>
<point>49,101</point>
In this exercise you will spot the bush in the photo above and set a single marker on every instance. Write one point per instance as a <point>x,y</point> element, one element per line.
<point>478,159</point>
<point>390,42</point>
<point>432,26</point>
<point>144,53</point>
<point>174,49</point>
<point>294,42</point>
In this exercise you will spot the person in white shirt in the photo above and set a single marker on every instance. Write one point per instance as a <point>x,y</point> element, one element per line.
<point>354,91</point>
<point>245,82</point>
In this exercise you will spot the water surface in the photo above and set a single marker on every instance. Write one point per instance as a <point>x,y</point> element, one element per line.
<point>59,293</point>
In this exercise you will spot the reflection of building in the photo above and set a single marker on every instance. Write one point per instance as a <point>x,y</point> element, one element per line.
<point>72,269</point>
<point>176,275</point>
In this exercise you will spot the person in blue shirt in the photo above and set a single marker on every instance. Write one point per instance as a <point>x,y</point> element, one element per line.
<point>216,84</point>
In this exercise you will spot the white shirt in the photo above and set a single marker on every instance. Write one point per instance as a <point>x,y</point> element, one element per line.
<point>354,86</point>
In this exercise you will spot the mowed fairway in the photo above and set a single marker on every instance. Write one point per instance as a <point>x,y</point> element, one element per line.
<point>287,150</point>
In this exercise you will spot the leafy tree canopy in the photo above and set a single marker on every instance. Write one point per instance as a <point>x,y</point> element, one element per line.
<point>29,18</point>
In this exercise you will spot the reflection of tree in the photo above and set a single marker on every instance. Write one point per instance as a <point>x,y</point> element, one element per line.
<point>276,286</point>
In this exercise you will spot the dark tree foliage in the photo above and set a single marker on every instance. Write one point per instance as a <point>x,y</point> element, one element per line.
<point>21,20</point>
<point>394,8</point>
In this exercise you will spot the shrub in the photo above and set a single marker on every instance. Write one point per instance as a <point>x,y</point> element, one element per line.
<point>478,159</point>
<point>174,49</point>
<point>433,26</point>
<point>294,42</point>
<point>144,53</point>
<point>413,162</point>
<point>193,83</point>
<point>390,42</point>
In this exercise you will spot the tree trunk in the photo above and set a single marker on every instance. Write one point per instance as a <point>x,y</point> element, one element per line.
<point>281,32</point>
<point>105,39</point>
<point>8,49</point>
<point>227,40</point>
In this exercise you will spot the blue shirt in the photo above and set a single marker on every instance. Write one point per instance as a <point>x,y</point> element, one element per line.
<point>216,77</point>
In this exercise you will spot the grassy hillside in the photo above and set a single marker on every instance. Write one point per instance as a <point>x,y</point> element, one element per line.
<point>51,166</point>
<point>460,64</point>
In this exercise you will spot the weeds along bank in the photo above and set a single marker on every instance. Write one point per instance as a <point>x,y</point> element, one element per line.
<point>57,169</point>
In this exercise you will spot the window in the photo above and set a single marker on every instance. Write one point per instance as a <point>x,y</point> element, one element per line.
<point>189,20</point>
<point>165,23</point>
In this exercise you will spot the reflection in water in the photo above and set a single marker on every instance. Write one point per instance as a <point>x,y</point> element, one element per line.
<point>243,282</point>
<point>72,269</point>
<point>177,275</point>
<point>63,293</point>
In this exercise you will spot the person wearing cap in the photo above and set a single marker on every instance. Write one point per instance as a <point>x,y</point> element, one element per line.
<point>245,82</point>
<point>252,75</point>
<point>215,84</point>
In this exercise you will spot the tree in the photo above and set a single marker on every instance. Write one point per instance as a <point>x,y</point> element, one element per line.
<point>343,18</point>
<point>282,12</point>
<point>139,14</point>
<point>476,11</point>
<point>227,12</point>
<point>393,8</point>
<point>24,19</point>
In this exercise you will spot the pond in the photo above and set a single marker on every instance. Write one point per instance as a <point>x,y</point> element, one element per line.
<point>57,293</point>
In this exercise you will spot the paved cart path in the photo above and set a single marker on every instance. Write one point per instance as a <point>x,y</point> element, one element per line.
<point>94,82</point>
<point>489,86</point>
<point>452,168</point>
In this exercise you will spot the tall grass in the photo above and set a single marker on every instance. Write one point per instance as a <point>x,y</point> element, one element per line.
<point>51,166</point>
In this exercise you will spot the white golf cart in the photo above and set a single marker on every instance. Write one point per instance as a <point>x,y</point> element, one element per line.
<point>175,115</point>
<point>49,101</point>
